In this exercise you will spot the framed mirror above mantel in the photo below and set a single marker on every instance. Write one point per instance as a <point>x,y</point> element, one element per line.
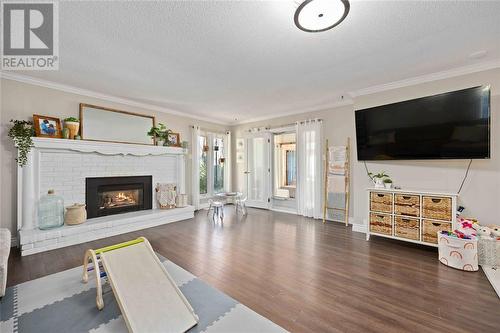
<point>104,124</point>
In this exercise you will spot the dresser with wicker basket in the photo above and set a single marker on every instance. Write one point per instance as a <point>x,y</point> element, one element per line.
<point>411,216</point>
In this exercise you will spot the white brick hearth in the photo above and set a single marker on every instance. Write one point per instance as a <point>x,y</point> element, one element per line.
<point>63,165</point>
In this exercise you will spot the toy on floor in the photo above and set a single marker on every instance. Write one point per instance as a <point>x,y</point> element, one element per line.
<point>148,297</point>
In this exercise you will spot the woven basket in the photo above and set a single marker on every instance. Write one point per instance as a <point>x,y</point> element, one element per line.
<point>381,223</point>
<point>407,205</point>
<point>407,228</point>
<point>438,208</point>
<point>381,202</point>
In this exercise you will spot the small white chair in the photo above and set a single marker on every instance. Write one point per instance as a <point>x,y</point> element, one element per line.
<point>240,204</point>
<point>217,207</point>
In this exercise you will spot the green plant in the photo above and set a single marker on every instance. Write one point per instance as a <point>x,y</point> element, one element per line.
<point>388,180</point>
<point>21,133</point>
<point>157,131</point>
<point>380,175</point>
<point>72,119</point>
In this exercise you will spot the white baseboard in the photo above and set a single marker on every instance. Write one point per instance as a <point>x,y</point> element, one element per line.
<point>356,227</point>
<point>280,210</point>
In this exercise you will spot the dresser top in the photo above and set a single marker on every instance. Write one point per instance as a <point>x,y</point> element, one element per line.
<point>413,191</point>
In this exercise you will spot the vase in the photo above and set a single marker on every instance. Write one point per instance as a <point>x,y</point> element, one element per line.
<point>73,128</point>
<point>388,185</point>
<point>379,183</point>
<point>50,211</point>
<point>65,133</point>
<point>75,214</point>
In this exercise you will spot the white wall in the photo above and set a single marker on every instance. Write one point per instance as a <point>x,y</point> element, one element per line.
<point>20,101</point>
<point>481,192</point>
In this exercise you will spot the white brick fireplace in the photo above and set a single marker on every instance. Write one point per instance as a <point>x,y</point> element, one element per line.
<point>63,165</point>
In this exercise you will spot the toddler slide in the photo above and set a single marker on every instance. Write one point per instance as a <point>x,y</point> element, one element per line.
<point>148,298</point>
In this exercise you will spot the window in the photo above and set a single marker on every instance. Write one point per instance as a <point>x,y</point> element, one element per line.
<point>203,164</point>
<point>218,162</point>
<point>212,160</point>
<point>285,165</point>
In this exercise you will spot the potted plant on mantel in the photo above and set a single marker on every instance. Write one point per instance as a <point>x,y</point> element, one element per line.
<point>21,133</point>
<point>388,183</point>
<point>378,178</point>
<point>159,134</point>
<point>73,125</point>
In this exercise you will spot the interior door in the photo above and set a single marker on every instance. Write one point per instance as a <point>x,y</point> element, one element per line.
<point>257,170</point>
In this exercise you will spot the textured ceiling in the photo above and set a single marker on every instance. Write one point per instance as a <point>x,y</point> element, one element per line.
<point>230,60</point>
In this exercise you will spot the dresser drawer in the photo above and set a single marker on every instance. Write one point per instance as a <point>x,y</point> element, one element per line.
<point>438,208</point>
<point>407,204</point>
<point>406,227</point>
<point>431,228</point>
<point>381,202</point>
<point>381,223</point>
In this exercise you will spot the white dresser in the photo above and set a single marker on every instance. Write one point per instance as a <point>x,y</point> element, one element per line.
<point>410,215</point>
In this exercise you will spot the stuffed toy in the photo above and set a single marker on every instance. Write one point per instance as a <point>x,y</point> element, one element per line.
<point>495,232</point>
<point>483,232</point>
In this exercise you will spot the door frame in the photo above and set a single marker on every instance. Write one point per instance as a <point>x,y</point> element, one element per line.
<point>266,204</point>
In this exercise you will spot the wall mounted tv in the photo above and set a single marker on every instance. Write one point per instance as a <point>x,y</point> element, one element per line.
<point>453,125</point>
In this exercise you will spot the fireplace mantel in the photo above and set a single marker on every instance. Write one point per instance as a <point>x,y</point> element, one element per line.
<point>106,148</point>
<point>64,165</point>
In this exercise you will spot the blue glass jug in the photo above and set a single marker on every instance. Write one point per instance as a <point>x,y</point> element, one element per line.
<point>50,211</point>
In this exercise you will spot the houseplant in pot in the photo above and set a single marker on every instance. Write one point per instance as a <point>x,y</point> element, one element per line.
<point>73,125</point>
<point>157,133</point>
<point>378,178</point>
<point>21,133</point>
<point>388,183</point>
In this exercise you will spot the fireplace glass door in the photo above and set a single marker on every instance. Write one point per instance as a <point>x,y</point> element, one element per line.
<point>116,195</point>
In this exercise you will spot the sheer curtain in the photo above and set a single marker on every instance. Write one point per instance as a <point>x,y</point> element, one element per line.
<point>309,166</point>
<point>195,167</point>
<point>227,163</point>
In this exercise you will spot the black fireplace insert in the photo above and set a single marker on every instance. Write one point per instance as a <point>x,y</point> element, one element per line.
<point>116,195</point>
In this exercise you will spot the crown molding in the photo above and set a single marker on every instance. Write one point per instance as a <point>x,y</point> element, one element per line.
<point>459,71</point>
<point>455,72</point>
<point>94,94</point>
<point>295,112</point>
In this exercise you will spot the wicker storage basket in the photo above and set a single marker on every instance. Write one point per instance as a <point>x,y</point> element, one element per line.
<point>405,204</point>
<point>458,253</point>
<point>438,208</point>
<point>431,228</point>
<point>407,228</point>
<point>381,223</point>
<point>381,202</point>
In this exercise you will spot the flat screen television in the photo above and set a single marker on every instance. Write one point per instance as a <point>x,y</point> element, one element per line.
<point>453,125</point>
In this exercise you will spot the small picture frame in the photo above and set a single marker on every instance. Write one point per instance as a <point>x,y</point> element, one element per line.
<point>47,127</point>
<point>173,140</point>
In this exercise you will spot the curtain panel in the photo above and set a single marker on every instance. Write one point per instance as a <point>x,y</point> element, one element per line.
<point>309,168</point>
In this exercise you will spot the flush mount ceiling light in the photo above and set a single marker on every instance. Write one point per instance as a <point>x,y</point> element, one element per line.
<point>320,15</point>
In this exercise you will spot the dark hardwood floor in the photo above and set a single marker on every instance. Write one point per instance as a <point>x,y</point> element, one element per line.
<point>308,276</point>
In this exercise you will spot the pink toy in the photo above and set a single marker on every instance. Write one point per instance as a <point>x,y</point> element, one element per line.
<point>465,227</point>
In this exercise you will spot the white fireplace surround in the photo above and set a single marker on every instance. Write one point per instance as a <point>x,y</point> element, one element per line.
<point>63,165</point>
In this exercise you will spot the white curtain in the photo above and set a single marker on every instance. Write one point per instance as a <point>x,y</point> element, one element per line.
<point>195,167</point>
<point>309,166</point>
<point>227,163</point>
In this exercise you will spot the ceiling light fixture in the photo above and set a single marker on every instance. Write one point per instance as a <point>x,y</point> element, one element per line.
<point>320,15</point>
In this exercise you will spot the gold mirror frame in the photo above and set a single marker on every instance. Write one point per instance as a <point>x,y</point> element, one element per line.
<point>82,122</point>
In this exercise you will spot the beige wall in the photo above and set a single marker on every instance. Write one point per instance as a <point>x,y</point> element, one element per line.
<point>21,101</point>
<point>481,192</point>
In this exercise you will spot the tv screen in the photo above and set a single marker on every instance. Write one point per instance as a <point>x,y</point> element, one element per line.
<point>454,125</point>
